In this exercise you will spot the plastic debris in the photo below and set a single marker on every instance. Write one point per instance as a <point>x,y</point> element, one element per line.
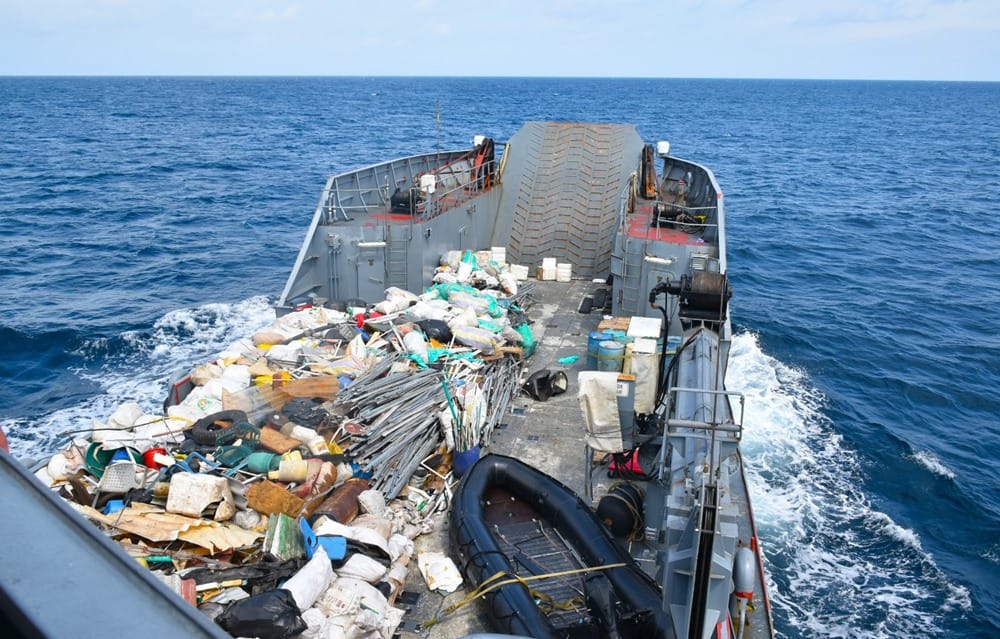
<point>284,538</point>
<point>272,615</point>
<point>310,582</point>
<point>439,571</point>
<point>191,494</point>
<point>327,440</point>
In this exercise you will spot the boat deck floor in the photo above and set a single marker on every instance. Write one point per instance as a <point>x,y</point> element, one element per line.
<point>640,227</point>
<point>536,548</point>
<point>548,435</point>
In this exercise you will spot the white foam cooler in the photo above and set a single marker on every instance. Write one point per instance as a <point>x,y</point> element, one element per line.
<point>547,271</point>
<point>519,271</point>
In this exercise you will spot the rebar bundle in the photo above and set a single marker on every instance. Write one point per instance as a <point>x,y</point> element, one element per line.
<point>397,413</point>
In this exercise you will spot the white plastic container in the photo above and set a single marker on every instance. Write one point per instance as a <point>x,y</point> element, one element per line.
<point>416,345</point>
<point>313,440</point>
<point>564,272</point>
<point>290,470</point>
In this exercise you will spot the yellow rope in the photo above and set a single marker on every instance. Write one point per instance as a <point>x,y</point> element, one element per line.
<point>503,163</point>
<point>491,584</point>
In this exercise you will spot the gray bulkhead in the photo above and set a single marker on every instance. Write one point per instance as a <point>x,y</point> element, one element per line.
<point>357,246</point>
<point>558,192</point>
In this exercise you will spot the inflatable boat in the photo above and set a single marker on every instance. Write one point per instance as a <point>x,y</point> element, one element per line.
<point>557,570</point>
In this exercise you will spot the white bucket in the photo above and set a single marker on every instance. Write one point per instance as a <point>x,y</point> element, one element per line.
<point>564,272</point>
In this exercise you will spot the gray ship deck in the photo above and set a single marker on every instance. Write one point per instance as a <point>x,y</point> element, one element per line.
<point>548,435</point>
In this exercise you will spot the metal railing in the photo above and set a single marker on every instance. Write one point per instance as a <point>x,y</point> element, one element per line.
<point>459,182</point>
<point>464,188</point>
<point>709,429</point>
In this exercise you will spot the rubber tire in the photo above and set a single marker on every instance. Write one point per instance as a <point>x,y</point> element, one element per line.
<point>206,431</point>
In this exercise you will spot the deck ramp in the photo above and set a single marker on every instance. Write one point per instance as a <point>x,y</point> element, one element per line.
<point>563,184</point>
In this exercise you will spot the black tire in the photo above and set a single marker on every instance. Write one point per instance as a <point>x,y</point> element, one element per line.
<point>208,429</point>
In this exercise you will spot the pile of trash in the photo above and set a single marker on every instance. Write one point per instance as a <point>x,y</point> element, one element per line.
<point>282,487</point>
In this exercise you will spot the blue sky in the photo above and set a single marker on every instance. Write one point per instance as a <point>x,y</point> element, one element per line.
<point>843,39</point>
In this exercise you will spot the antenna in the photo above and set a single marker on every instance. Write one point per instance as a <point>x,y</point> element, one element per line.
<point>437,119</point>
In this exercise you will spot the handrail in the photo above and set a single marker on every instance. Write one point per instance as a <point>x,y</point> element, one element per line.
<point>466,188</point>
<point>686,208</point>
<point>441,201</point>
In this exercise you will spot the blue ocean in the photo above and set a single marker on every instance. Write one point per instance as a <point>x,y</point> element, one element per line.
<point>147,223</point>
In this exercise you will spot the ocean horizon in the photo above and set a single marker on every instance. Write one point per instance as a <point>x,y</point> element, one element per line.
<point>149,221</point>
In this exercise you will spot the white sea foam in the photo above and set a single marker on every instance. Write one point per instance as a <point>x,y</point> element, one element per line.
<point>837,566</point>
<point>179,340</point>
<point>887,526</point>
<point>931,462</point>
<point>993,554</point>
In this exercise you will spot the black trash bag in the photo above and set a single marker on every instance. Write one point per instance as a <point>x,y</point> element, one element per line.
<point>272,615</point>
<point>261,577</point>
<point>436,329</point>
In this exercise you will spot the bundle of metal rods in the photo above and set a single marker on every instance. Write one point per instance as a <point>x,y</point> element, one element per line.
<point>498,382</point>
<point>398,415</point>
<point>500,385</point>
<point>524,299</point>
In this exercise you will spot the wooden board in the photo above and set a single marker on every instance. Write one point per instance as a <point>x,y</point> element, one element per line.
<point>614,324</point>
<point>277,442</point>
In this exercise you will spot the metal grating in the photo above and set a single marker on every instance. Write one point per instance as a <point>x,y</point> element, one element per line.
<point>535,548</point>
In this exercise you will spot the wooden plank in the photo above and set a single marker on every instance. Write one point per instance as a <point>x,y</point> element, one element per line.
<point>277,442</point>
<point>614,324</point>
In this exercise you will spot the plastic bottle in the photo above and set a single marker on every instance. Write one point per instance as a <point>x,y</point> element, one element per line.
<point>416,345</point>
